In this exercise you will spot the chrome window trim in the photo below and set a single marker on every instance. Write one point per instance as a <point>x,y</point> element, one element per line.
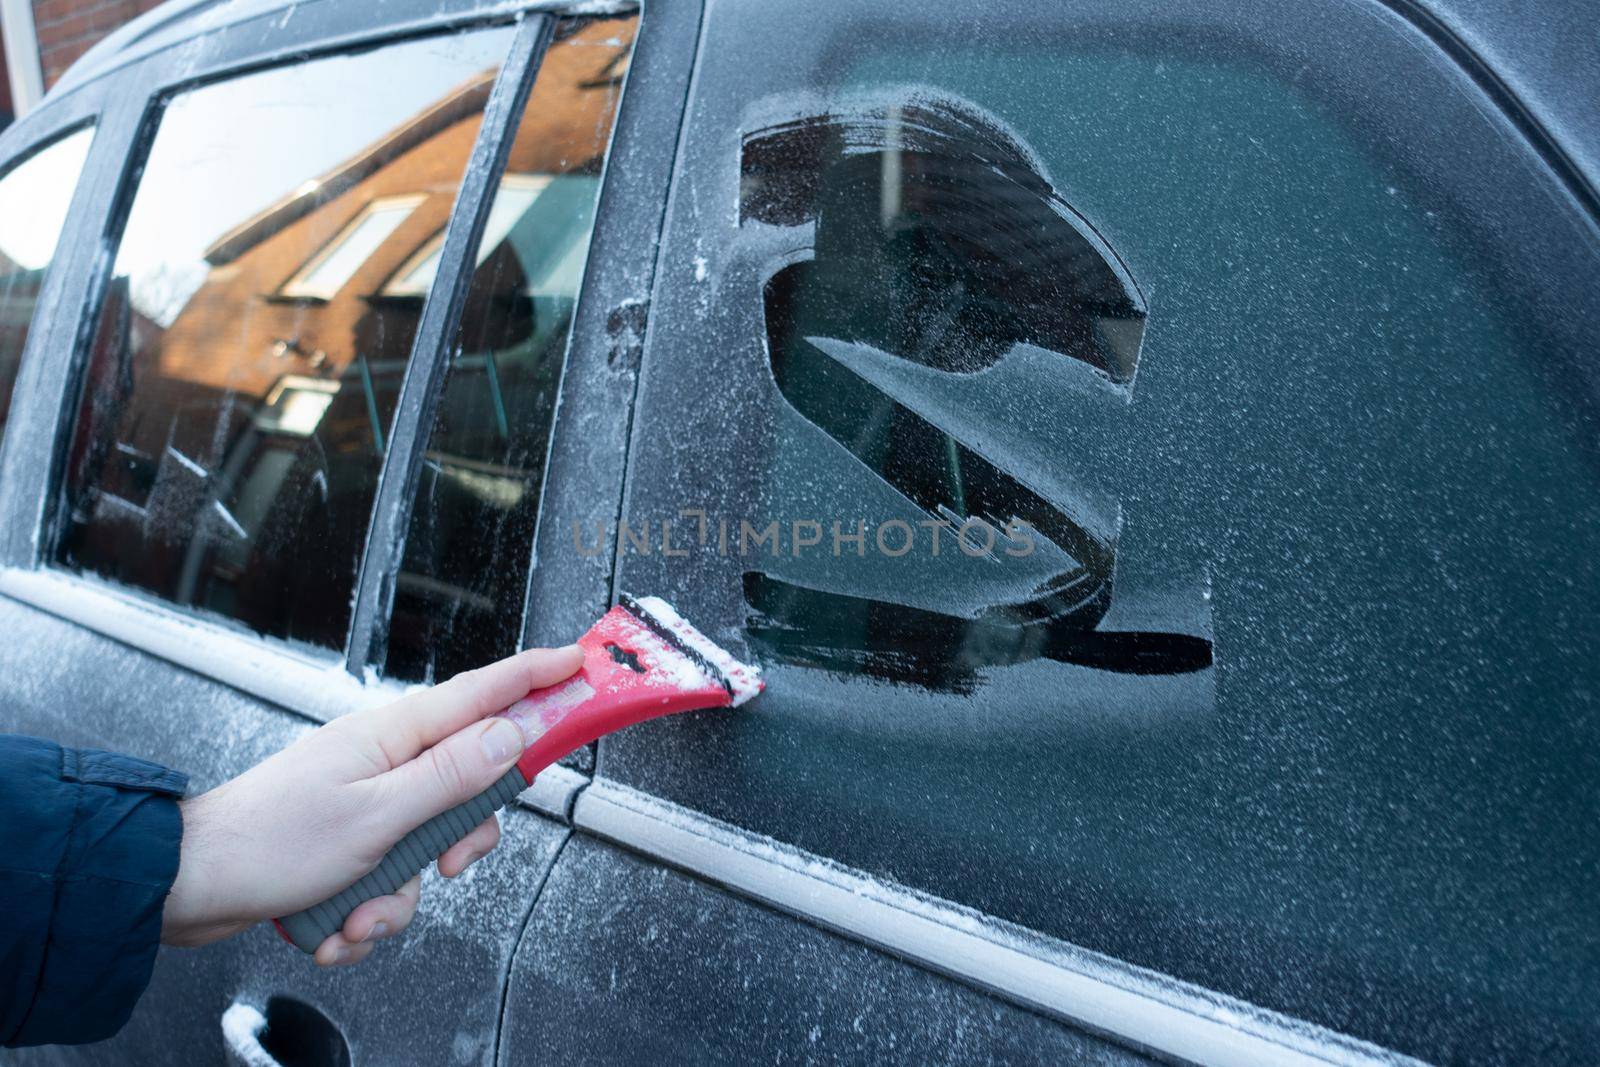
<point>1162,1015</point>
<point>290,676</point>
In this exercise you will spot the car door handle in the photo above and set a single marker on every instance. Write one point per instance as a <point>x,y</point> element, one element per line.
<point>289,1033</point>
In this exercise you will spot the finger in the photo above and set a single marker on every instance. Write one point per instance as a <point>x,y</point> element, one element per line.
<point>424,718</point>
<point>381,917</point>
<point>337,951</point>
<point>459,856</point>
<point>450,773</point>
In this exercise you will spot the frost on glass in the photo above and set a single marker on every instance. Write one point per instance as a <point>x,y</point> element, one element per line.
<point>245,362</point>
<point>459,595</point>
<point>938,281</point>
<point>1358,453</point>
<point>34,196</point>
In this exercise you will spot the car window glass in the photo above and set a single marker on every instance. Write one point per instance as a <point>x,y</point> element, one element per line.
<point>459,594</point>
<point>34,196</point>
<point>1156,464</point>
<point>244,363</point>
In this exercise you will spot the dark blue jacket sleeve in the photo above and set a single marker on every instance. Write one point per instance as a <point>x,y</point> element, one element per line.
<point>88,850</point>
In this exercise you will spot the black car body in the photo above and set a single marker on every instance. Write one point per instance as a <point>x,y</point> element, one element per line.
<point>1153,450</point>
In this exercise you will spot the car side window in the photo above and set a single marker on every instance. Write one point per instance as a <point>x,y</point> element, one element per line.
<point>1156,463</point>
<point>34,196</point>
<point>245,359</point>
<point>460,591</point>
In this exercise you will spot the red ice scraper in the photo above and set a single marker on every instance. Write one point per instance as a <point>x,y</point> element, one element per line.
<point>640,661</point>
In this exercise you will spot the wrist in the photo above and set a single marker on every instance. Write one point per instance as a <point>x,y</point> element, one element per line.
<point>192,915</point>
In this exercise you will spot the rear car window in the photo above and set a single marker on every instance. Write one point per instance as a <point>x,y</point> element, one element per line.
<point>245,361</point>
<point>460,593</point>
<point>34,196</point>
<point>1161,482</point>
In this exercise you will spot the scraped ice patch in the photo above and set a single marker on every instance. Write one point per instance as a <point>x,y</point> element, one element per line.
<point>744,678</point>
<point>670,667</point>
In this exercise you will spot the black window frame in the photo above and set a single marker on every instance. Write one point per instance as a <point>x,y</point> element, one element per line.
<point>126,99</point>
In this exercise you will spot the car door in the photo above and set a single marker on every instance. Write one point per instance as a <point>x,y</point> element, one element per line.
<point>319,268</point>
<point>1151,453</point>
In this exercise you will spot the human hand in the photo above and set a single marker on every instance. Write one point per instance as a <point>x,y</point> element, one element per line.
<point>309,821</point>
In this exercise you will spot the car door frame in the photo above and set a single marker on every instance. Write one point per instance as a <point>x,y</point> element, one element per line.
<point>1146,1010</point>
<point>157,56</point>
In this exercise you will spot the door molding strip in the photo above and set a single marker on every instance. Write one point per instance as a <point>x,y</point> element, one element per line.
<point>1150,1011</point>
<point>553,791</point>
<point>291,676</point>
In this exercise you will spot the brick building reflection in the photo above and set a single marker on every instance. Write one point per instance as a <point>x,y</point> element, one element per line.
<point>265,393</point>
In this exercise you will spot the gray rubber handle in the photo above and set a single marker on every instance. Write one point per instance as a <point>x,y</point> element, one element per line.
<point>308,929</point>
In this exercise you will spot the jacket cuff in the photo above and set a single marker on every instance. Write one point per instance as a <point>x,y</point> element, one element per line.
<point>115,861</point>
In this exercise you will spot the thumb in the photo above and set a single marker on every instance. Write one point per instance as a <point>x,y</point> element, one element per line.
<point>450,773</point>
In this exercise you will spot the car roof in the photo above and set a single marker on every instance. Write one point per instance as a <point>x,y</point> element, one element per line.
<point>1512,43</point>
<point>179,21</point>
<point>168,24</point>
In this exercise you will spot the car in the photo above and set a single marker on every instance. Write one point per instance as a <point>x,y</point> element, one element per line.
<point>1153,453</point>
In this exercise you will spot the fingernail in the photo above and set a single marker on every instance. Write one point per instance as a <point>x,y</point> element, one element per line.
<point>502,741</point>
<point>378,930</point>
<point>342,955</point>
